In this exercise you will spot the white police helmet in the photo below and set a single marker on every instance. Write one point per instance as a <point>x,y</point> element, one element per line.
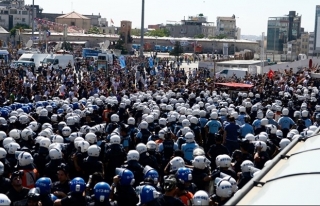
<point>245,166</point>
<point>115,139</point>
<point>91,138</point>
<point>94,151</point>
<point>224,189</point>
<point>55,154</point>
<point>133,155</point>
<point>201,197</point>
<point>141,148</point>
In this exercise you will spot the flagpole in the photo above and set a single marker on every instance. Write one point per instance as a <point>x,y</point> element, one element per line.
<point>45,38</point>
<point>142,30</point>
<point>32,20</point>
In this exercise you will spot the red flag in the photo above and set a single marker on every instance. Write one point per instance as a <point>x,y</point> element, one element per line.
<point>270,74</point>
<point>310,63</point>
<point>112,21</point>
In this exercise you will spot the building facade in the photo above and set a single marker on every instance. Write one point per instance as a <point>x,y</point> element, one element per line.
<point>192,27</point>
<point>282,30</point>
<point>304,43</point>
<point>228,26</point>
<point>317,31</point>
<point>15,12</point>
<point>311,44</point>
<point>94,19</point>
<point>75,19</point>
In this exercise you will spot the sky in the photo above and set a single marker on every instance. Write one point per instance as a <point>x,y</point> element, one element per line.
<point>252,15</point>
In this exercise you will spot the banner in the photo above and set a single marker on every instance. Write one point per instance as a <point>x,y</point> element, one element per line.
<point>150,62</point>
<point>122,61</point>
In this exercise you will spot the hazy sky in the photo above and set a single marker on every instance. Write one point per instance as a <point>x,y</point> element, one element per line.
<point>253,14</point>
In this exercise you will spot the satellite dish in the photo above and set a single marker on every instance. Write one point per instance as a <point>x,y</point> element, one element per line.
<point>105,45</point>
<point>101,45</point>
<point>58,46</point>
<point>29,44</point>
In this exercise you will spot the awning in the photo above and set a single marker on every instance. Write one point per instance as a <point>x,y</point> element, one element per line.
<point>71,42</point>
<point>235,85</point>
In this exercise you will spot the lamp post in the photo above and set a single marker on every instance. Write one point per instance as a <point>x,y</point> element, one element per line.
<point>262,52</point>
<point>142,29</point>
<point>32,22</point>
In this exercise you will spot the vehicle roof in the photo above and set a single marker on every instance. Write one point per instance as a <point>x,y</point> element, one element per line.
<point>236,69</point>
<point>23,61</point>
<point>292,178</point>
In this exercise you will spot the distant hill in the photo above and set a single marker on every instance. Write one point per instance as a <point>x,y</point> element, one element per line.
<point>251,37</point>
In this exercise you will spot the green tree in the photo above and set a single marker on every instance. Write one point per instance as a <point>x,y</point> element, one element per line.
<point>120,45</point>
<point>158,32</point>
<point>93,30</point>
<point>21,27</point>
<point>177,50</point>
<point>67,46</point>
<point>199,36</point>
<point>220,36</point>
<point>136,32</point>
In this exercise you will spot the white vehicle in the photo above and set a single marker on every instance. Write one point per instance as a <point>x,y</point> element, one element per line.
<point>36,58</point>
<point>228,73</point>
<point>106,57</point>
<point>58,60</point>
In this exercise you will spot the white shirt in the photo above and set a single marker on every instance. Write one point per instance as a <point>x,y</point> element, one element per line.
<point>62,88</point>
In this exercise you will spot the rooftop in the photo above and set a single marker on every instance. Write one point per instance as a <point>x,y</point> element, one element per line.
<point>226,18</point>
<point>3,31</point>
<point>239,62</point>
<point>72,15</point>
<point>150,37</point>
<point>292,178</point>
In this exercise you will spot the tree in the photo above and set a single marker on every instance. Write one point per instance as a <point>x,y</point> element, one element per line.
<point>21,27</point>
<point>158,32</point>
<point>120,45</point>
<point>199,36</point>
<point>67,46</point>
<point>177,50</point>
<point>93,30</point>
<point>136,32</point>
<point>220,36</point>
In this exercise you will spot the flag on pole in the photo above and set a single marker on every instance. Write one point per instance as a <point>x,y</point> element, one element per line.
<point>122,62</point>
<point>112,21</point>
<point>270,74</point>
<point>150,62</point>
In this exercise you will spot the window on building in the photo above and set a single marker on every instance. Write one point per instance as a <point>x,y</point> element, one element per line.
<point>5,12</point>
<point>24,12</point>
<point>19,12</point>
<point>73,23</point>
<point>13,11</point>
<point>23,19</point>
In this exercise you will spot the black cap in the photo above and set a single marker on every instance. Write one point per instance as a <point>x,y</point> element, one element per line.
<point>17,173</point>
<point>170,183</point>
<point>64,168</point>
